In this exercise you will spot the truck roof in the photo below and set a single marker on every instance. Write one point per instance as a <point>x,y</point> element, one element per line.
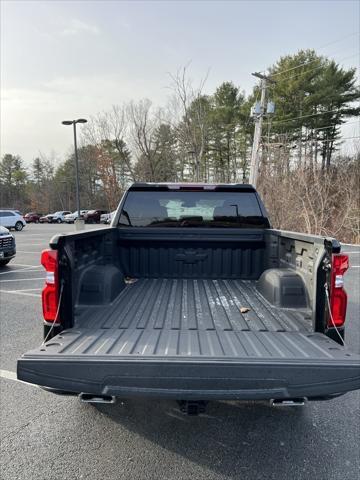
<point>165,186</point>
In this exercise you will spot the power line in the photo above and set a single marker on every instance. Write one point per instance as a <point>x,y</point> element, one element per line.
<point>333,125</point>
<point>318,48</point>
<point>311,69</point>
<point>304,116</point>
<point>318,140</point>
<point>320,66</point>
<point>353,34</point>
<point>338,140</point>
<point>294,68</point>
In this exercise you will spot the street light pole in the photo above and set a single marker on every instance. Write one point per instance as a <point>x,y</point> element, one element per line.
<point>73,123</point>
<point>77,172</point>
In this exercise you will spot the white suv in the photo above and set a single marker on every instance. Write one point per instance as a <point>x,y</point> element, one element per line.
<point>12,219</point>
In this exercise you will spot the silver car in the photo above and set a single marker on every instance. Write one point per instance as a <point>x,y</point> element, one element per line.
<point>107,217</point>
<point>71,217</point>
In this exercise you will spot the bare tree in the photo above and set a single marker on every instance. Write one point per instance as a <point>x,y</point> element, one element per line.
<point>143,125</point>
<point>313,200</point>
<point>111,129</point>
<point>192,128</point>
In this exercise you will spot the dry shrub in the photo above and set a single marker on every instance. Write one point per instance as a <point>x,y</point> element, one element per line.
<point>316,201</point>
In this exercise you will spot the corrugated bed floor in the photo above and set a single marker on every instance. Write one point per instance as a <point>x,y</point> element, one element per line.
<point>188,304</point>
<point>191,319</point>
<point>193,344</point>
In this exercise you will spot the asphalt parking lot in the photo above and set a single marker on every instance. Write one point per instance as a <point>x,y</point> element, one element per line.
<point>50,437</point>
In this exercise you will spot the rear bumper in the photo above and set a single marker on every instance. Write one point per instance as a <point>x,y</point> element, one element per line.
<point>191,380</point>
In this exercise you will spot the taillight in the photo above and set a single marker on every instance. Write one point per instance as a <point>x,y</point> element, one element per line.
<point>50,293</point>
<point>338,296</point>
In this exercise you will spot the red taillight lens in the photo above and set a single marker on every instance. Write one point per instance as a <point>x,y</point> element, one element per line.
<point>50,293</point>
<point>338,296</point>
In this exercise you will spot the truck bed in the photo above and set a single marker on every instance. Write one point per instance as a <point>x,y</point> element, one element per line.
<point>187,317</point>
<point>188,339</point>
<point>184,312</point>
<point>192,305</point>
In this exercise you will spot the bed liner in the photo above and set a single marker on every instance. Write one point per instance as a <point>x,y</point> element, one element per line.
<point>193,304</point>
<point>187,339</point>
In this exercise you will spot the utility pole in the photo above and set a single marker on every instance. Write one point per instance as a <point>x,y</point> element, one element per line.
<point>254,165</point>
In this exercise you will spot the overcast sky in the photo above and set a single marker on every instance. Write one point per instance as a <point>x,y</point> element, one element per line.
<point>64,60</point>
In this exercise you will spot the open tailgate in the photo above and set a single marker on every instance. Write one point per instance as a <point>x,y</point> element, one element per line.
<point>192,364</point>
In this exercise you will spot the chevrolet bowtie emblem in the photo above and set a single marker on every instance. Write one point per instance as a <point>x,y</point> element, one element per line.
<point>190,256</point>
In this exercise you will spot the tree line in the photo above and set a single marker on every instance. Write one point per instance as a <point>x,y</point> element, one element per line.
<point>208,137</point>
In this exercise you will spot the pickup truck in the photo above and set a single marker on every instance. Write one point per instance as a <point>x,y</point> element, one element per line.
<point>191,295</point>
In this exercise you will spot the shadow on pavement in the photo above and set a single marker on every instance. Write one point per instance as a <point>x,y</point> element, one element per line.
<point>232,438</point>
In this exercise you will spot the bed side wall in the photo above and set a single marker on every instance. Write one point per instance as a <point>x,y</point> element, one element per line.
<point>189,254</point>
<point>301,253</point>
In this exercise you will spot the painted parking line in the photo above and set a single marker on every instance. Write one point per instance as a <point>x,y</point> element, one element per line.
<point>23,265</point>
<point>34,241</point>
<point>38,289</point>
<point>27,251</point>
<point>22,279</point>
<point>8,375</point>
<point>25,294</point>
<point>32,244</point>
<point>36,252</point>
<point>30,234</point>
<point>26,269</point>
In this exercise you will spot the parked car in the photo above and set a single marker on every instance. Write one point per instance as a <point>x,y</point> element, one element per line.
<point>71,217</point>
<point>193,296</point>
<point>104,218</point>
<point>12,219</point>
<point>93,216</point>
<point>112,214</point>
<point>107,217</point>
<point>7,246</point>
<point>45,218</point>
<point>32,217</point>
<point>57,217</point>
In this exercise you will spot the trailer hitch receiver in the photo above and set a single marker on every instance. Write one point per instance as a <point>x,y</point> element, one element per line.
<point>192,407</point>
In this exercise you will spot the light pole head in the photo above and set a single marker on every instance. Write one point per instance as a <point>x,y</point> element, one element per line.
<point>67,122</point>
<point>81,120</point>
